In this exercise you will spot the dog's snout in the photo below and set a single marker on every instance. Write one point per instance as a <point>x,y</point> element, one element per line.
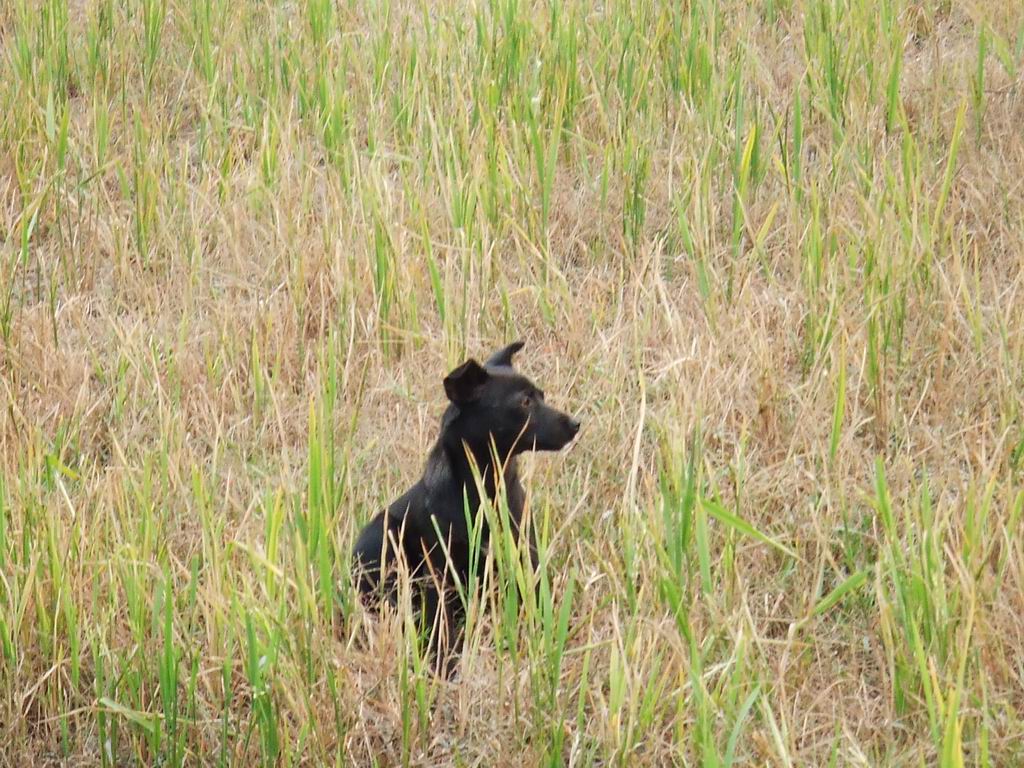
<point>574,424</point>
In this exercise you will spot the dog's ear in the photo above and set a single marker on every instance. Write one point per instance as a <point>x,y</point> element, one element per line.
<point>503,357</point>
<point>463,384</point>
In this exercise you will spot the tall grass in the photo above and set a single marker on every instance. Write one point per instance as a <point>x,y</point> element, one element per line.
<point>769,252</point>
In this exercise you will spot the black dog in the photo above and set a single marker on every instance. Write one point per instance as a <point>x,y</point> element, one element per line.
<point>494,414</point>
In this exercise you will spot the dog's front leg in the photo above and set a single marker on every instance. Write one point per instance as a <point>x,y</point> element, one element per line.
<point>443,627</point>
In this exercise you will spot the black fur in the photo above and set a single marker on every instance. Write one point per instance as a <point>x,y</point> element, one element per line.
<point>492,410</point>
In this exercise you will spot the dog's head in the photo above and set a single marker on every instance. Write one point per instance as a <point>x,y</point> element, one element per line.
<point>493,401</point>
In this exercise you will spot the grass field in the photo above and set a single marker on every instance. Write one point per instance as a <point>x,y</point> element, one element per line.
<point>771,252</point>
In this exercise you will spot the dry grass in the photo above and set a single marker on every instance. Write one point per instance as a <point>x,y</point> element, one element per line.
<point>771,252</point>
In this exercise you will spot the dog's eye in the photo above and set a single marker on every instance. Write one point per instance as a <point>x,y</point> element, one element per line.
<point>526,401</point>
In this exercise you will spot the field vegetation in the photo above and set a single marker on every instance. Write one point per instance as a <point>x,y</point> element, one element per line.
<point>771,252</point>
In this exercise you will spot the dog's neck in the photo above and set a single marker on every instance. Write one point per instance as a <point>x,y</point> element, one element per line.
<point>456,464</point>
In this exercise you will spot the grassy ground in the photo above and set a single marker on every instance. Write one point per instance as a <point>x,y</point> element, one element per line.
<point>771,252</point>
